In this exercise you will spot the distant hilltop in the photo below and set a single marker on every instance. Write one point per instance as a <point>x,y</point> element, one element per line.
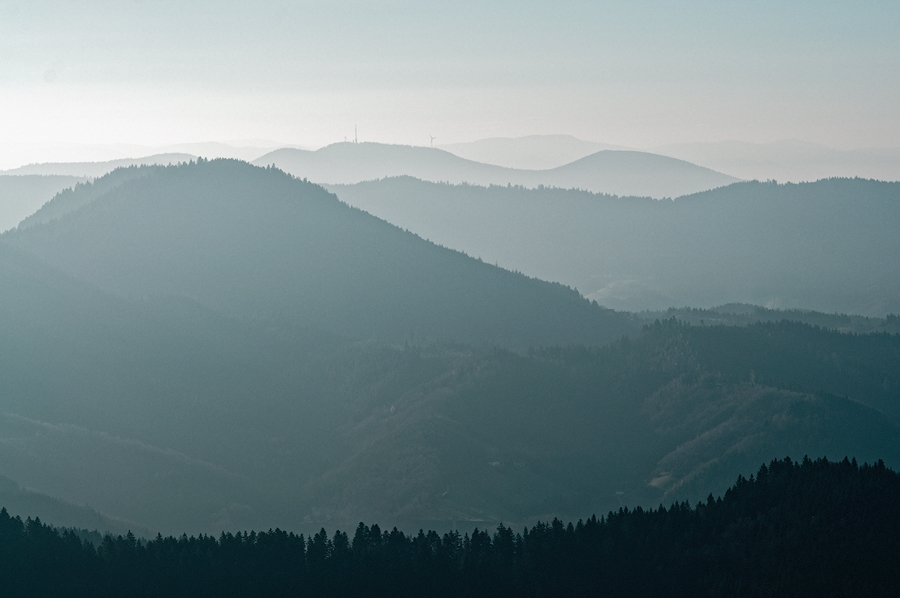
<point>616,172</point>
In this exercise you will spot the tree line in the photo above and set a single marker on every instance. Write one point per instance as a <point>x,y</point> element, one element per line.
<point>807,528</point>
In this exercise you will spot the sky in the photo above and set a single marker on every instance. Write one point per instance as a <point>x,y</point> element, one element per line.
<point>638,74</point>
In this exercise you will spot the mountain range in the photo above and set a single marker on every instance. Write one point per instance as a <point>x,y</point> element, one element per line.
<point>216,346</point>
<point>23,190</point>
<point>606,171</point>
<point>784,161</point>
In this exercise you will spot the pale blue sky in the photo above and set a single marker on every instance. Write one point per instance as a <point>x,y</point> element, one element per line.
<point>638,73</point>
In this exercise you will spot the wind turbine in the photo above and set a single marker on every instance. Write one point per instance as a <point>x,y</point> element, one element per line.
<point>432,140</point>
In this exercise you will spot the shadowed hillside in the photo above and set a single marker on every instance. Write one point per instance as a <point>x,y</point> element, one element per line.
<point>164,413</point>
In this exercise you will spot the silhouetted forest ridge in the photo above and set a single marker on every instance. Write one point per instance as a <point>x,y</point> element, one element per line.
<point>828,246</point>
<point>810,528</point>
<point>257,242</point>
<point>22,195</point>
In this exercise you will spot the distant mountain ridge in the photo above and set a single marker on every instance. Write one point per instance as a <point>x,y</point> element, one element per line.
<point>607,171</point>
<point>788,161</point>
<point>828,246</point>
<point>533,152</point>
<point>97,169</point>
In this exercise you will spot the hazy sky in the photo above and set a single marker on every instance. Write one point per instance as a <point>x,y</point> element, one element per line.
<point>632,73</point>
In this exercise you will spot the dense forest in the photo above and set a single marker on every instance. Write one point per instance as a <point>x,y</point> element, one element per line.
<point>809,528</point>
<point>742,314</point>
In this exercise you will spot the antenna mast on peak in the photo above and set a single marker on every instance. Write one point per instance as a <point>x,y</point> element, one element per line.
<point>355,137</point>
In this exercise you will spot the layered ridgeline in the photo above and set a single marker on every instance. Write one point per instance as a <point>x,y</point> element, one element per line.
<point>200,390</point>
<point>256,242</point>
<point>606,171</point>
<point>829,246</point>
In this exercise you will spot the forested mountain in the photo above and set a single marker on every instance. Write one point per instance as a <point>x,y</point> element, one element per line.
<point>256,242</point>
<point>216,345</point>
<point>164,413</point>
<point>828,246</point>
<point>620,172</point>
<point>21,196</point>
<point>810,528</point>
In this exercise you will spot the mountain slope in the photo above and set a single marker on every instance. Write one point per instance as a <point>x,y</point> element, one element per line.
<point>620,172</point>
<point>81,194</point>
<point>828,246</point>
<point>147,411</point>
<point>163,412</point>
<point>256,242</point>
<point>21,196</point>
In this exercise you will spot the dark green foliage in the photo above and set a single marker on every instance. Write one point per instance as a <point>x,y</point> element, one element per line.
<point>810,528</point>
